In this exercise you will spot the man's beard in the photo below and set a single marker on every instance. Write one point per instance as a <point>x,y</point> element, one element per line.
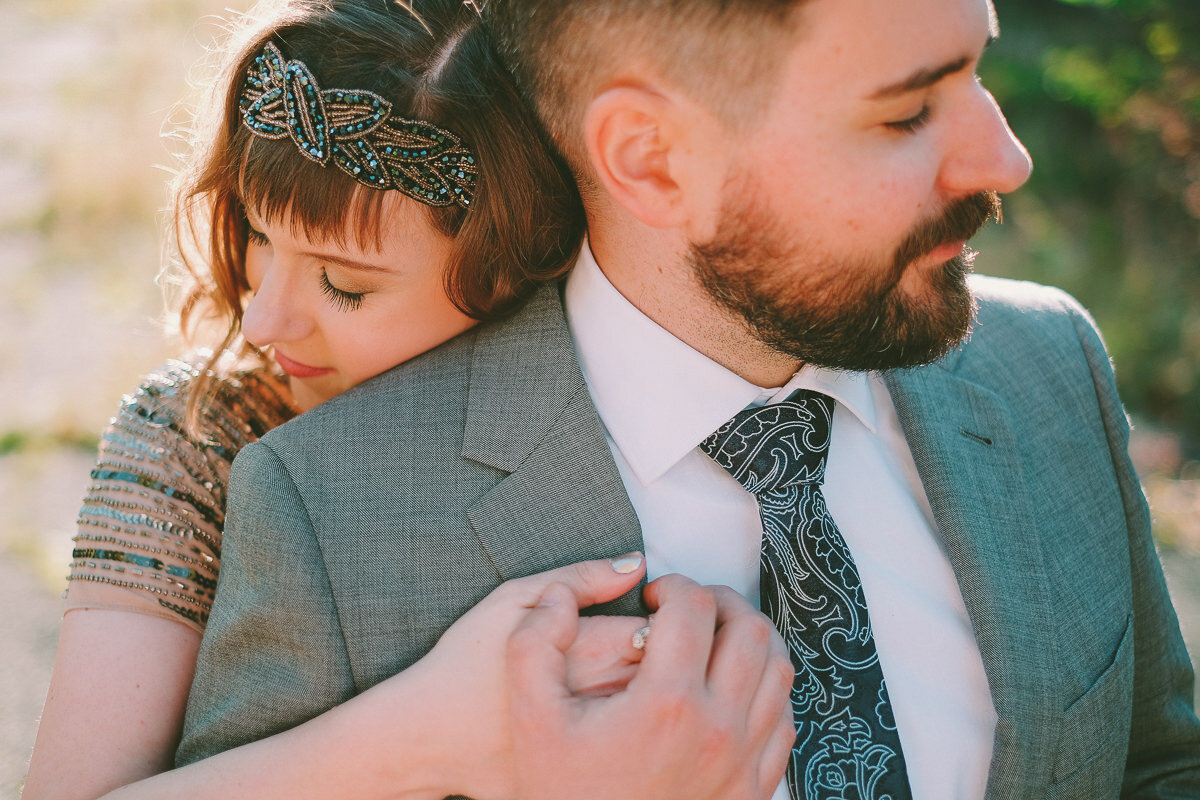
<point>851,315</point>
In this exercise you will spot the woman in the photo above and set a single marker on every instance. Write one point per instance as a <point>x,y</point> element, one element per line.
<point>368,186</point>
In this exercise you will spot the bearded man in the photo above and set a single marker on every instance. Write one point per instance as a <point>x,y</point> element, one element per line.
<point>771,370</point>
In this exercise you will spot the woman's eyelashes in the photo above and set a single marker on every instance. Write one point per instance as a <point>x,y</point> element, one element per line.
<point>256,237</point>
<point>341,299</point>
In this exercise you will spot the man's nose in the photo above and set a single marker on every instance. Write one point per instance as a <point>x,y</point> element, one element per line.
<point>276,313</point>
<point>986,156</point>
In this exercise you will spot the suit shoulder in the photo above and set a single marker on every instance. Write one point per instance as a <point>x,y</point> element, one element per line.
<point>1001,298</point>
<point>1023,310</point>
<point>1029,332</point>
<point>439,376</point>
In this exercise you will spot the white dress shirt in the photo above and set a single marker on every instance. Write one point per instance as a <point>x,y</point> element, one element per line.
<point>658,399</point>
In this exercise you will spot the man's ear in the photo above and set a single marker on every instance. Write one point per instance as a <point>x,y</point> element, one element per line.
<point>633,142</point>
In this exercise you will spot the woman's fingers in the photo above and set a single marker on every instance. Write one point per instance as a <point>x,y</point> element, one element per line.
<point>537,656</point>
<point>590,582</point>
<point>706,714</point>
<point>545,648</point>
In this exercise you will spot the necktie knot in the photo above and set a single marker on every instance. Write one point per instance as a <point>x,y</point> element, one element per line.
<point>773,447</point>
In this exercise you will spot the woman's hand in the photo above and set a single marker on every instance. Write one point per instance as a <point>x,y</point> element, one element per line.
<point>439,728</point>
<point>463,685</point>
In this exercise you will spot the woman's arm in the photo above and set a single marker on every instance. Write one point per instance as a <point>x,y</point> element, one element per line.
<point>116,704</point>
<point>115,707</point>
<point>443,726</point>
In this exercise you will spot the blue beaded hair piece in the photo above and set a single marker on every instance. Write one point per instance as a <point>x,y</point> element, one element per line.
<point>356,130</point>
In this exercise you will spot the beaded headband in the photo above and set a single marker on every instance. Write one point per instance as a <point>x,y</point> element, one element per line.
<point>355,130</point>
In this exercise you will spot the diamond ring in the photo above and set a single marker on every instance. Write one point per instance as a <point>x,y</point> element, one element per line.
<point>640,637</point>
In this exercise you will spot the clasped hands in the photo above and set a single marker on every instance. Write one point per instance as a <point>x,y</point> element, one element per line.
<point>537,702</point>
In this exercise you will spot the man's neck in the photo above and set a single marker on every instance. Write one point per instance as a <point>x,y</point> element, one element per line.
<point>656,279</point>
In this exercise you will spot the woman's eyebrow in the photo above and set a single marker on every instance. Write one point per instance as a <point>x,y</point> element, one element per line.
<point>347,263</point>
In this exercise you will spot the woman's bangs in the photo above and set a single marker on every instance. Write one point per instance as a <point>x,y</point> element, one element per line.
<point>319,202</point>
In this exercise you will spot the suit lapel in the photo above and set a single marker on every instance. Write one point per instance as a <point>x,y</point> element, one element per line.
<point>968,455</point>
<point>529,414</point>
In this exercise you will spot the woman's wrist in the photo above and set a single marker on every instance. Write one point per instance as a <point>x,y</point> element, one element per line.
<point>434,741</point>
<point>393,737</point>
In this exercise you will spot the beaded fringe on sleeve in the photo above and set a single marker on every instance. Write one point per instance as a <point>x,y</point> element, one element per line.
<point>149,531</point>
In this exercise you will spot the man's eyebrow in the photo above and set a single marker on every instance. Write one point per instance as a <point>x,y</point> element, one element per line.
<point>347,263</point>
<point>924,78</point>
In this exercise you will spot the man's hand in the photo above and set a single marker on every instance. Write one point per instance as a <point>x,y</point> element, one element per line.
<point>706,714</point>
<point>602,660</point>
<point>461,684</point>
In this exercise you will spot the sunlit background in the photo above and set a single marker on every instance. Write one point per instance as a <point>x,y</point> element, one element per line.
<point>1106,94</point>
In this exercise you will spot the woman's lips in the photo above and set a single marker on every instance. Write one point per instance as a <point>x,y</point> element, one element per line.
<point>298,370</point>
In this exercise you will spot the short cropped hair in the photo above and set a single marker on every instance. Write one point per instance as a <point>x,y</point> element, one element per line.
<point>723,53</point>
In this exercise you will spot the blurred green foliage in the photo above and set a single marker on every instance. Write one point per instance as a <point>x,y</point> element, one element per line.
<point>1106,96</point>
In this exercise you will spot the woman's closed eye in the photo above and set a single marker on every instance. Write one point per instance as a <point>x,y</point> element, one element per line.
<point>340,298</point>
<point>256,237</point>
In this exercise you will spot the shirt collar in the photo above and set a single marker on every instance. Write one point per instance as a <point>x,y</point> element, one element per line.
<point>657,397</point>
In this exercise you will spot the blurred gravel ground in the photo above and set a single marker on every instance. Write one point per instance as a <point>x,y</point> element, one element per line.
<point>29,637</point>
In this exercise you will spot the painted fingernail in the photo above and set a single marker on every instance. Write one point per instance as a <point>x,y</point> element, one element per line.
<point>627,563</point>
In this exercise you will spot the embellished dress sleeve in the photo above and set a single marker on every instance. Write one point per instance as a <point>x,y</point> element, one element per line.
<point>149,530</point>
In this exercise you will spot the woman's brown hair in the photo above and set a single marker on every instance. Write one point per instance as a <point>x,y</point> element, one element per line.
<point>434,62</point>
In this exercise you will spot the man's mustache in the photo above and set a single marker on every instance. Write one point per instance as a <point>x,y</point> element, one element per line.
<point>961,220</point>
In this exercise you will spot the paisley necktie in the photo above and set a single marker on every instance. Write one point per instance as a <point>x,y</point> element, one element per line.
<point>846,743</point>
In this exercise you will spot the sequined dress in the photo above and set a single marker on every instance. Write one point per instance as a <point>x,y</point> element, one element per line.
<point>149,531</point>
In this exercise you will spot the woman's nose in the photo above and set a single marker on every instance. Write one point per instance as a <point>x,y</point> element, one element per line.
<point>276,312</point>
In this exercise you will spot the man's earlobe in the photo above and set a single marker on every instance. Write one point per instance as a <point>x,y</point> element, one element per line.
<point>628,133</point>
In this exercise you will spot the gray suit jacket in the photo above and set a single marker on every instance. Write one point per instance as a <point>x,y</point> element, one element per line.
<point>358,532</point>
